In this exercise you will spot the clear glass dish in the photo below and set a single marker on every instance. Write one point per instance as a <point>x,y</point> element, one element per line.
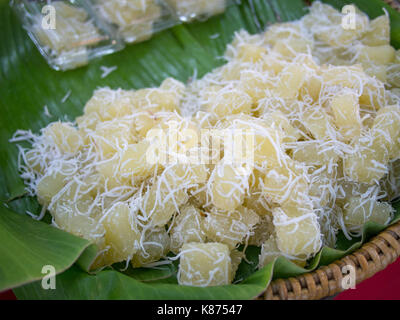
<point>189,10</point>
<point>136,20</point>
<point>67,33</point>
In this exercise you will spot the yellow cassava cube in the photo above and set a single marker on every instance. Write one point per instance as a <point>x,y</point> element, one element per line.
<point>230,227</point>
<point>298,232</point>
<point>379,55</point>
<point>380,144</point>
<point>185,175</point>
<point>133,18</point>
<point>311,89</point>
<point>387,122</point>
<point>174,139</point>
<point>73,28</point>
<point>392,73</point>
<point>336,36</point>
<point>155,245</point>
<point>318,122</point>
<point>123,13</point>
<point>357,211</point>
<point>108,170</point>
<point>87,122</point>
<point>66,138</point>
<point>135,163</point>
<point>270,251</point>
<point>314,153</point>
<point>205,120</point>
<point>173,85</point>
<point>277,32</point>
<point>368,161</point>
<point>264,144</point>
<point>374,95</point>
<point>159,203</point>
<point>122,233</point>
<point>155,100</point>
<point>242,38</point>
<point>285,184</point>
<point>226,101</point>
<point>67,11</point>
<point>343,76</point>
<point>74,213</point>
<point>290,48</point>
<point>49,185</point>
<point>321,190</point>
<point>291,79</point>
<point>143,122</point>
<point>231,70</point>
<point>272,65</point>
<point>280,122</point>
<point>83,226</point>
<point>376,71</point>
<point>108,104</point>
<point>205,265</point>
<point>255,84</point>
<point>378,33</point>
<point>187,227</point>
<point>227,187</point>
<point>251,52</point>
<point>329,26</point>
<point>53,181</point>
<point>111,136</point>
<point>258,203</point>
<point>163,199</point>
<point>346,111</point>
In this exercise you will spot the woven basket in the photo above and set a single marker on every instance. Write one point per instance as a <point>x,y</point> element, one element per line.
<point>326,281</point>
<point>371,258</point>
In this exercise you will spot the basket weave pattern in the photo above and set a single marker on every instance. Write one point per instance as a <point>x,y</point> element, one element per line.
<point>371,258</point>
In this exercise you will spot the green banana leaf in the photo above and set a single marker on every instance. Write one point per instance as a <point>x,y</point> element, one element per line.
<point>27,85</point>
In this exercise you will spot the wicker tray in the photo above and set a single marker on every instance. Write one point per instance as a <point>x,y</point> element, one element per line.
<point>372,257</point>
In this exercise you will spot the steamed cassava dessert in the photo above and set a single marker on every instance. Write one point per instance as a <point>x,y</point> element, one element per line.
<point>134,19</point>
<point>73,33</point>
<point>322,106</point>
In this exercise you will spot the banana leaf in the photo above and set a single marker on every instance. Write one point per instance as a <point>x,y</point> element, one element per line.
<point>27,85</point>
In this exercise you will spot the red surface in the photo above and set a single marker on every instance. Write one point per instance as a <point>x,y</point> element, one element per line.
<point>8,295</point>
<point>385,285</point>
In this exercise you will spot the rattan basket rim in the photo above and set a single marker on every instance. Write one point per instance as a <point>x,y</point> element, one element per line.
<point>372,257</point>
